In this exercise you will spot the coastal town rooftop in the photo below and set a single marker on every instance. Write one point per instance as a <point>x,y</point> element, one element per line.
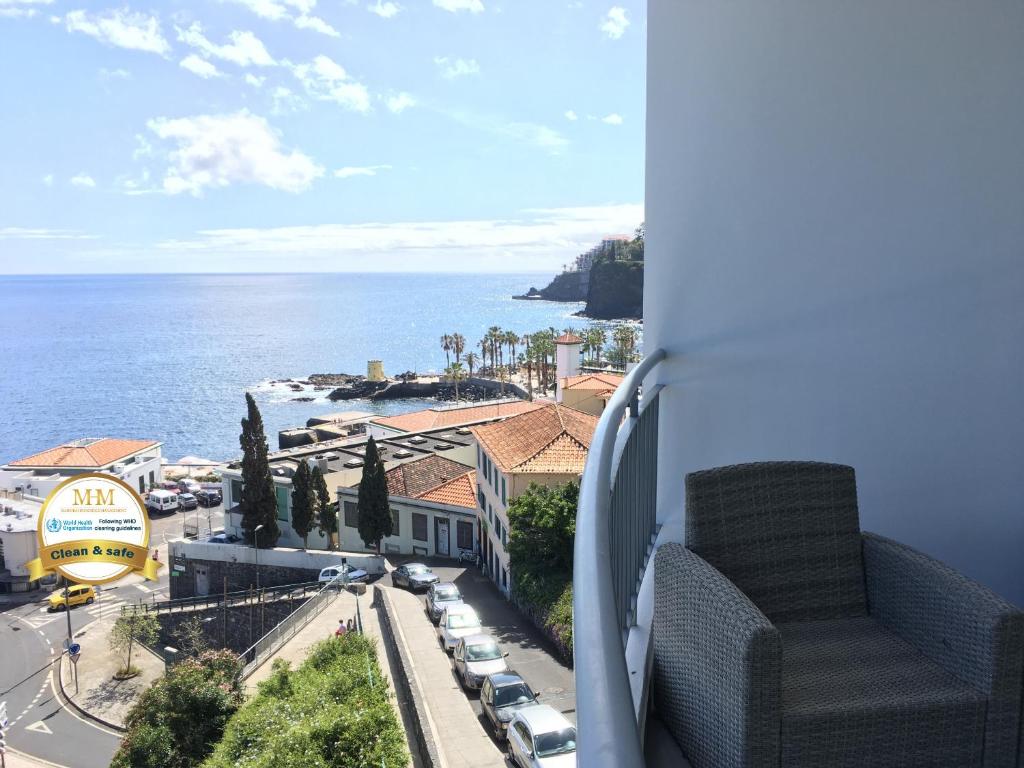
<point>433,478</point>
<point>553,439</point>
<point>85,453</point>
<point>456,415</point>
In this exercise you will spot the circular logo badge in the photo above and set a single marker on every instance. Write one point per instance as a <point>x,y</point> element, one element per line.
<point>93,529</point>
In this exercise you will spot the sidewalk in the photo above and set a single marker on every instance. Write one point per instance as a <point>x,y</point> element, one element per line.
<point>457,733</point>
<point>99,694</point>
<point>19,760</point>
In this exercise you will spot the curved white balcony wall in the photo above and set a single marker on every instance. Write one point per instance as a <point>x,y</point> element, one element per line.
<point>835,245</point>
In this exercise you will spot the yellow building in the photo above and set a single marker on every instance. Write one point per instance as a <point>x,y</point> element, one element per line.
<point>588,392</point>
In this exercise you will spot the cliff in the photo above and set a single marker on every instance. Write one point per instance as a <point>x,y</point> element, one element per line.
<point>616,290</point>
<point>565,287</point>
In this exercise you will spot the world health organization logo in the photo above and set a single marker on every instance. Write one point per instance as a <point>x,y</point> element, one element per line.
<point>53,525</point>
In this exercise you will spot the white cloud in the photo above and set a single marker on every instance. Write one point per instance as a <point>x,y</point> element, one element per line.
<point>83,180</point>
<point>400,102</point>
<point>214,151</point>
<point>326,80</point>
<point>384,9</point>
<point>114,74</point>
<point>366,170</point>
<point>615,22</point>
<point>244,48</point>
<point>14,9</point>
<point>453,68</point>
<point>30,233</point>
<point>533,134</point>
<point>613,119</point>
<point>201,67</point>
<point>121,28</point>
<point>254,80</point>
<point>286,101</point>
<point>297,11</point>
<point>454,6</point>
<point>533,239</point>
<point>570,115</point>
<point>48,179</point>
<point>316,24</point>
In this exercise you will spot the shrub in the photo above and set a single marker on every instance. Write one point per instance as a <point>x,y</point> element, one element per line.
<point>177,722</point>
<point>331,712</point>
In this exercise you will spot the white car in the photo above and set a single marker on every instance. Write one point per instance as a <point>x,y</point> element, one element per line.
<point>333,571</point>
<point>541,737</point>
<point>476,657</point>
<point>457,621</point>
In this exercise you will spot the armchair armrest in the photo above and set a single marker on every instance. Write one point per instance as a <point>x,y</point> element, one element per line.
<point>957,623</point>
<point>717,665</point>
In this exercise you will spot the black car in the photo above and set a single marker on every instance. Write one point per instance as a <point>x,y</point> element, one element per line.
<point>501,696</point>
<point>187,501</point>
<point>224,538</point>
<point>413,576</point>
<point>208,497</point>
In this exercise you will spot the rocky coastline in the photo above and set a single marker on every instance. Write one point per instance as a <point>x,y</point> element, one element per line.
<point>345,386</point>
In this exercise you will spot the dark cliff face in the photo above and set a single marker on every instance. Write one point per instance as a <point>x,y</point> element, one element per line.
<point>565,287</point>
<point>616,290</point>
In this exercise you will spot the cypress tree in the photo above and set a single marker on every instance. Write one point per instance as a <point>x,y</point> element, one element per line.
<point>259,501</point>
<point>374,510</point>
<point>326,511</point>
<point>304,501</point>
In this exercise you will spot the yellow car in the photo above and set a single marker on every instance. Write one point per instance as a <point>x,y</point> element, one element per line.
<point>78,594</point>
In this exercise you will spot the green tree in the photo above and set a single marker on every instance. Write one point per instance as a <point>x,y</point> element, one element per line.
<point>446,345</point>
<point>374,510</point>
<point>130,628</point>
<point>178,720</point>
<point>458,346</point>
<point>259,501</point>
<point>304,501</point>
<point>456,373</point>
<point>624,337</point>
<point>190,638</point>
<point>326,510</point>
<point>471,360</point>
<point>542,528</point>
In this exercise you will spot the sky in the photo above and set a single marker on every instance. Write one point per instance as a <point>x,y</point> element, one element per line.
<point>317,135</point>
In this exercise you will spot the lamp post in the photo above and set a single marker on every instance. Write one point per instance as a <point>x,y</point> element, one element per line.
<point>256,541</point>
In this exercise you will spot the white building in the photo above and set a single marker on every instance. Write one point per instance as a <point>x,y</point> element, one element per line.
<point>137,462</point>
<point>547,446</point>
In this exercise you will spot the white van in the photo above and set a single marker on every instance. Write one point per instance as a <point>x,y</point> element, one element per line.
<point>162,501</point>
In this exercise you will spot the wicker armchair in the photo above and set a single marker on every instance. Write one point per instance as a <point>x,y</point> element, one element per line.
<point>785,637</point>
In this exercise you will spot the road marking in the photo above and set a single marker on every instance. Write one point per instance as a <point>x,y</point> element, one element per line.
<point>143,587</point>
<point>39,727</point>
<point>69,710</point>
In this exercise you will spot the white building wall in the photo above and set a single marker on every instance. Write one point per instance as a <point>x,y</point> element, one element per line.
<point>404,543</point>
<point>496,515</point>
<point>19,547</point>
<point>835,256</point>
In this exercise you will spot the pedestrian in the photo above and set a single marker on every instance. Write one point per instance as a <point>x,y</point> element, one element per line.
<point>342,628</point>
<point>350,626</point>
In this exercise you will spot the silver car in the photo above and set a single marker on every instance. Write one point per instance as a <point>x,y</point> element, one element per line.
<point>457,622</point>
<point>413,576</point>
<point>476,657</point>
<point>541,737</point>
<point>439,597</point>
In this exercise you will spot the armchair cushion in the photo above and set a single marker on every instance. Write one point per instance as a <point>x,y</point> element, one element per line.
<point>855,695</point>
<point>786,533</point>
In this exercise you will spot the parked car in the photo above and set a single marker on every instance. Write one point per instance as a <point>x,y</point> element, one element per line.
<point>457,622</point>
<point>413,576</point>
<point>224,538</point>
<point>440,596</point>
<point>331,573</point>
<point>476,657</point>
<point>162,501</point>
<point>187,501</point>
<point>541,737</point>
<point>78,594</point>
<point>208,497</point>
<point>501,696</point>
<point>189,486</point>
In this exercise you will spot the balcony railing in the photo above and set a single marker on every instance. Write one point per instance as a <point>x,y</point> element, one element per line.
<point>615,527</point>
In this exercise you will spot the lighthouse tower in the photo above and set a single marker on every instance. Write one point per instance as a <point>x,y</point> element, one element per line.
<point>567,360</point>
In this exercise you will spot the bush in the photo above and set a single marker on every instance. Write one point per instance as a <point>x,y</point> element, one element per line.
<point>332,712</point>
<point>177,722</point>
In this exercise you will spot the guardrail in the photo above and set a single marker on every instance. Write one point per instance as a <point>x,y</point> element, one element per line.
<point>252,657</point>
<point>615,522</point>
<point>239,597</point>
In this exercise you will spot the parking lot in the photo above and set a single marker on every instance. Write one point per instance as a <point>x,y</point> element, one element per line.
<point>530,654</point>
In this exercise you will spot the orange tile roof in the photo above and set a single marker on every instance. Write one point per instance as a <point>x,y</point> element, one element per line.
<point>553,439</point>
<point>598,381</point>
<point>415,478</point>
<point>438,418</point>
<point>99,453</point>
<point>460,492</point>
<point>568,338</point>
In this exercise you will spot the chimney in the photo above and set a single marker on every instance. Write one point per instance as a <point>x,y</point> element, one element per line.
<point>567,360</point>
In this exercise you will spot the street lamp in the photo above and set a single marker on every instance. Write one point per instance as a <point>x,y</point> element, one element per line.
<point>256,541</point>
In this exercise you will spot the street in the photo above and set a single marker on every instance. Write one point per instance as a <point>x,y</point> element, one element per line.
<point>31,637</point>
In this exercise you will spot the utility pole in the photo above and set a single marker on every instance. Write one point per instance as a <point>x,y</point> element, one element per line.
<point>67,608</point>
<point>256,542</point>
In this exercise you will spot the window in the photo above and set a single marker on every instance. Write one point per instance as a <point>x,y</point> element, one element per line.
<point>395,530</point>
<point>464,534</point>
<point>351,514</point>
<point>152,478</point>
<point>504,577</point>
<point>479,457</point>
<point>490,513</point>
<point>236,491</point>
<point>495,481</point>
<point>419,526</point>
<point>480,497</point>
<point>497,528</point>
<point>504,537</point>
<point>142,484</point>
<point>282,502</point>
<point>503,502</point>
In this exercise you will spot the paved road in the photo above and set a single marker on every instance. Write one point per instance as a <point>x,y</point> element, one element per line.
<point>530,654</point>
<point>31,639</point>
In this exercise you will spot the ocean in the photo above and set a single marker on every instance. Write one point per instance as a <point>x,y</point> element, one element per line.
<point>169,357</point>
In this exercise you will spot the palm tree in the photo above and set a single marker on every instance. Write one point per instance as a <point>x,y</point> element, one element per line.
<point>512,339</point>
<point>446,345</point>
<point>596,339</point>
<point>458,345</point>
<point>456,373</point>
<point>529,367</point>
<point>471,361</point>
<point>625,342</point>
<point>485,344</point>
<point>493,333</point>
